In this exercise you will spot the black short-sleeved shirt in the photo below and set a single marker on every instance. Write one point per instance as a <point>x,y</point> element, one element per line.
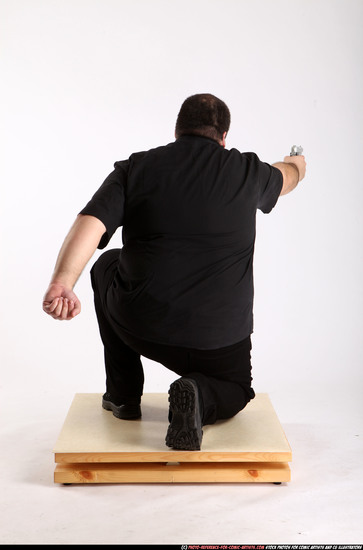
<point>188,210</point>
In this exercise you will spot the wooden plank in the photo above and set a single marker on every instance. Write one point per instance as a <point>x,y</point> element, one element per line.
<point>190,472</point>
<point>172,456</point>
<point>91,434</point>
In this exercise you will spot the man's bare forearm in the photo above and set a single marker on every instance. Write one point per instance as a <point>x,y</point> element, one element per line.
<point>77,249</point>
<point>293,171</point>
<point>290,173</point>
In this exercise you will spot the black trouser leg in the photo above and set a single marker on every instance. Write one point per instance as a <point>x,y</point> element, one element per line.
<point>124,371</point>
<point>223,376</point>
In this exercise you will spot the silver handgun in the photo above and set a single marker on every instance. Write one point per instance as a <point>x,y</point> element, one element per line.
<point>296,150</point>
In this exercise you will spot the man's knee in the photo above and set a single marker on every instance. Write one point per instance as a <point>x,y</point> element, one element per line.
<point>102,271</point>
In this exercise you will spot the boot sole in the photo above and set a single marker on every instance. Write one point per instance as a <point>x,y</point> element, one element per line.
<point>185,429</point>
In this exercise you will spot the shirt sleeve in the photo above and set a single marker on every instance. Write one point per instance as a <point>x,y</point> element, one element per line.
<point>108,203</point>
<point>270,184</point>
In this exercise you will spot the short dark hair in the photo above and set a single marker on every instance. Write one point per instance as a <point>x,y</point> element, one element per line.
<point>204,115</point>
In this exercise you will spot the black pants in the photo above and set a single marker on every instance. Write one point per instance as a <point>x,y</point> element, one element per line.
<point>223,375</point>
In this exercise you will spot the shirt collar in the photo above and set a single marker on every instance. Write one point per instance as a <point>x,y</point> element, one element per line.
<point>188,137</point>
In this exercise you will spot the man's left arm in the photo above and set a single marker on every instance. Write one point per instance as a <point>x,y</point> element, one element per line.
<point>60,302</point>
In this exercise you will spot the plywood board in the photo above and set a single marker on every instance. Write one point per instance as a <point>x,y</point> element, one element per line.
<point>91,434</point>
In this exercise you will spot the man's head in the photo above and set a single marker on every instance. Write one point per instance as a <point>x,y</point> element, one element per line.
<point>203,115</point>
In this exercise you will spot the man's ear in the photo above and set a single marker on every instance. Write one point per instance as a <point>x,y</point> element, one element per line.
<point>224,139</point>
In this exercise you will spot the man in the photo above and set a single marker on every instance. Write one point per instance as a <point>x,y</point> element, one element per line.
<point>180,290</point>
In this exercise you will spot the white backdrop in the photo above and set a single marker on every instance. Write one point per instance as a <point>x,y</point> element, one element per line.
<point>88,82</point>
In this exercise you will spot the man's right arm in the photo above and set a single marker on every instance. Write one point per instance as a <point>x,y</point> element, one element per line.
<point>59,301</point>
<point>293,171</point>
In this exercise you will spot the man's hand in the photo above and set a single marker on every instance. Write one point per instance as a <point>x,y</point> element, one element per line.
<point>299,161</point>
<point>61,303</point>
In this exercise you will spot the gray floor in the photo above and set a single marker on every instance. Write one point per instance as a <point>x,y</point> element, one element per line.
<point>321,505</point>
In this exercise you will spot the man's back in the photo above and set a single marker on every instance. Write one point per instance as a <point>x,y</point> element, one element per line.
<point>185,270</point>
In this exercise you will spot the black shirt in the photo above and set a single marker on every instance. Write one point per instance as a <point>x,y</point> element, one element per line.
<point>188,211</point>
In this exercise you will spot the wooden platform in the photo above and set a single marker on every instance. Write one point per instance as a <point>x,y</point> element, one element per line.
<point>96,447</point>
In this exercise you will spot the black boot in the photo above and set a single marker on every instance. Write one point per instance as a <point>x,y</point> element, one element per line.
<point>185,416</point>
<point>126,411</point>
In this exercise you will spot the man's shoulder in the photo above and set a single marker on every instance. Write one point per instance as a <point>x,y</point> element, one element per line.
<point>247,155</point>
<point>139,155</point>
